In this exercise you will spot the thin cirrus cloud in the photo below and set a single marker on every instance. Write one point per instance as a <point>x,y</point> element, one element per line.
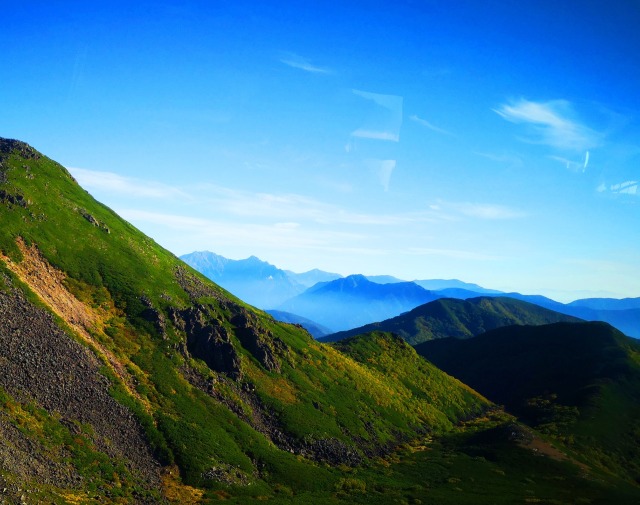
<point>575,166</point>
<point>296,61</point>
<point>623,188</point>
<point>455,254</point>
<point>485,211</point>
<point>209,198</point>
<point>507,158</point>
<point>114,183</point>
<point>551,123</point>
<point>384,116</point>
<point>429,125</point>
<point>225,232</point>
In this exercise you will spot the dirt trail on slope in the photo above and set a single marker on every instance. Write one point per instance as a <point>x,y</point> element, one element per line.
<point>48,283</point>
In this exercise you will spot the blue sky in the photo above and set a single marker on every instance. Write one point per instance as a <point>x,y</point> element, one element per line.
<point>496,142</point>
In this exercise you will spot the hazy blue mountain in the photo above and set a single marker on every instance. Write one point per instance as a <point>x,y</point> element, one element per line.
<point>268,287</point>
<point>627,320</point>
<point>354,301</point>
<point>607,303</point>
<point>312,277</point>
<point>317,330</point>
<point>448,317</point>
<point>384,279</point>
<point>440,284</point>
<point>252,280</point>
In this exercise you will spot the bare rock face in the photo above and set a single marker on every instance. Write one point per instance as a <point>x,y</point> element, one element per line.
<point>208,340</point>
<point>9,146</point>
<point>259,341</point>
<point>42,364</point>
<point>11,199</point>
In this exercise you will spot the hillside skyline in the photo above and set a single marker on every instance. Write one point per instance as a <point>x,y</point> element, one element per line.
<point>494,143</point>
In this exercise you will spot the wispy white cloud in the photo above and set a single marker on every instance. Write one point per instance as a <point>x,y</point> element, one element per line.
<point>209,199</point>
<point>574,166</point>
<point>382,169</point>
<point>510,159</point>
<point>486,211</point>
<point>623,188</point>
<point>228,232</point>
<point>384,119</point>
<point>427,124</point>
<point>114,183</point>
<point>376,135</point>
<point>455,254</point>
<point>551,123</point>
<point>296,61</point>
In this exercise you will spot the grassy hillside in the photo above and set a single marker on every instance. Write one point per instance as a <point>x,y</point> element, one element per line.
<point>450,317</point>
<point>395,359</point>
<point>130,378</point>
<point>577,382</point>
<point>223,392</point>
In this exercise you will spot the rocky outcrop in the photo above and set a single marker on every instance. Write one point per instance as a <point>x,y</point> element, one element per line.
<point>11,199</point>
<point>154,316</point>
<point>259,341</point>
<point>192,285</point>
<point>208,339</point>
<point>22,149</point>
<point>94,221</point>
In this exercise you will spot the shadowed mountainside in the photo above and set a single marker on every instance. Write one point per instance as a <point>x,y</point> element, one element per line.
<point>448,317</point>
<point>579,382</point>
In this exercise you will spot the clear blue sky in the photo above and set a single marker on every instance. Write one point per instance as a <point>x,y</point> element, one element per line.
<point>497,142</point>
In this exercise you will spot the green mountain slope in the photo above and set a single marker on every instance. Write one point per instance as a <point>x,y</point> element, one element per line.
<point>214,387</point>
<point>130,378</point>
<point>450,317</point>
<point>394,358</point>
<point>578,382</point>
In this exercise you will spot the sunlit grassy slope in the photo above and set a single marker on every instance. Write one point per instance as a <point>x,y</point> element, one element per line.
<point>218,383</point>
<point>231,404</point>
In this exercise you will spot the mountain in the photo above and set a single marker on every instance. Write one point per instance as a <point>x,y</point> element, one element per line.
<point>130,378</point>
<point>626,319</point>
<point>384,279</point>
<point>312,277</point>
<point>448,317</point>
<point>607,303</point>
<point>622,314</point>
<point>573,381</point>
<point>312,327</point>
<point>267,287</point>
<point>253,280</point>
<point>354,300</point>
<point>441,284</point>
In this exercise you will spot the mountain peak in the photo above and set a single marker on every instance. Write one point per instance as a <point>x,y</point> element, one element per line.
<point>8,146</point>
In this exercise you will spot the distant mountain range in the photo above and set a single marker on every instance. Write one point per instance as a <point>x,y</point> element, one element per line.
<point>255,281</point>
<point>353,301</point>
<point>326,299</point>
<point>448,317</point>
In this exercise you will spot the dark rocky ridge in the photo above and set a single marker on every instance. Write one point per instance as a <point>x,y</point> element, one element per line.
<point>8,146</point>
